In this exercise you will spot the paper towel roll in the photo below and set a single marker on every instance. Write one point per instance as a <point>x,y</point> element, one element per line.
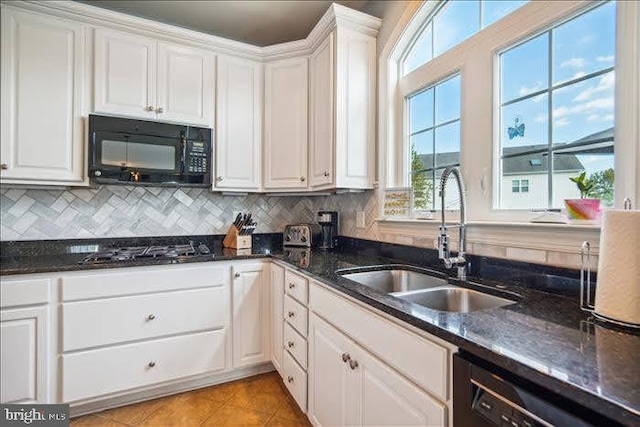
<point>618,285</point>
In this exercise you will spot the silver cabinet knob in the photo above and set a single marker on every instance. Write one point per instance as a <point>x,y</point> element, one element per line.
<point>292,285</point>
<point>353,364</point>
<point>4,166</point>
<point>151,364</point>
<point>302,179</point>
<point>290,344</point>
<point>291,314</point>
<point>159,110</point>
<point>326,174</point>
<point>289,379</point>
<point>236,275</point>
<point>346,357</point>
<point>151,317</point>
<point>219,178</point>
<point>149,108</point>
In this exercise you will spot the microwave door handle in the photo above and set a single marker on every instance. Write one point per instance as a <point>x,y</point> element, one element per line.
<point>183,142</point>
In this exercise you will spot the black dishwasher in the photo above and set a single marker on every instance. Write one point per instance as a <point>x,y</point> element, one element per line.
<point>486,395</point>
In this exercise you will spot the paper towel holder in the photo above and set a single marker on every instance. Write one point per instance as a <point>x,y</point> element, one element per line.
<point>585,288</point>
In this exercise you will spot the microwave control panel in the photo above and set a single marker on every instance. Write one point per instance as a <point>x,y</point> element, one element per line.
<point>196,158</point>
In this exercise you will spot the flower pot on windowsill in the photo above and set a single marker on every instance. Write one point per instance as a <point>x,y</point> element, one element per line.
<point>583,209</point>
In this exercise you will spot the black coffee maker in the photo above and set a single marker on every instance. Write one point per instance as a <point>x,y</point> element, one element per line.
<point>328,221</point>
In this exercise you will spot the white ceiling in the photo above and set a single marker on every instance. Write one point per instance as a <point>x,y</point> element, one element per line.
<point>258,22</point>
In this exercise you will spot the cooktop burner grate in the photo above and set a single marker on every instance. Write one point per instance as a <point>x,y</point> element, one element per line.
<point>142,252</point>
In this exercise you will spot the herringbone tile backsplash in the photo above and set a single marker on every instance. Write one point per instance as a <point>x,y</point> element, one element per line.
<point>125,211</point>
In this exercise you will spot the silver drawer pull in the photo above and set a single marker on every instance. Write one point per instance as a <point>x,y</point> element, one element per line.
<point>160,110</point>
<point>151,317</point>
<point>291,314</point>
<point>149,108</point>
<point>4,166</point>
<point>289,379</point>
<point>290,344</point>
<point>345,357</point>
<point>237,275</point>
<point>326,174</point>
<point>151,364</point>
<point>292,285</point>
<point>353,364</point>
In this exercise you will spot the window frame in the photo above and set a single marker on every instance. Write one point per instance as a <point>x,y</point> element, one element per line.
<point>479,54</point>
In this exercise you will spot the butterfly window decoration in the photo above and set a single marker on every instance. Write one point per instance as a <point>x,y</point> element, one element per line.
<point>516,130</point>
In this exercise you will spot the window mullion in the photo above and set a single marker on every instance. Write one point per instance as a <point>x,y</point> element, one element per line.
<point>550,125</point>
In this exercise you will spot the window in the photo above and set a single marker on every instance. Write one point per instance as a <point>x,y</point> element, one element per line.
<point>454,22</point>
<point>435,140</point>
<point>520,186</point>
<point>557,111</point>
<point>546,74</point>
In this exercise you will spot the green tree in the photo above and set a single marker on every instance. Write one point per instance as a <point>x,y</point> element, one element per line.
<point>602,186</point>
<point>422,187</point>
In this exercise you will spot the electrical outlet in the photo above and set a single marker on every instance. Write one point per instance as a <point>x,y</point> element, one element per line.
<point>360,219</point>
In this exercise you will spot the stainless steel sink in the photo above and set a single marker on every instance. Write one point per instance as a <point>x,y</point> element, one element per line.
<point>453,298</point>
<point>395,279</point>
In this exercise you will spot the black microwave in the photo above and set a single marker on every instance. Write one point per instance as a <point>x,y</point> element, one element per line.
<point>127,151</point>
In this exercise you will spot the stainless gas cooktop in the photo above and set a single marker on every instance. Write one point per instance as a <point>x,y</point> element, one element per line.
<point>131,253</point>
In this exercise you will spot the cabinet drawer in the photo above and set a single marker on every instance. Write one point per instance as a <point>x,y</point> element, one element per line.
<point>296,345</point>
<point>296,315</point>
<point>297,286</point>
<point>99,372</point>
<point>424,362</point>
<point>118,320</point>
<point>138,280</point>
<point>295,378</point>
<point>23,292</point>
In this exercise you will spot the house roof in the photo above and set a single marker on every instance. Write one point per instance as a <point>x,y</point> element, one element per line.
<point>527,164</point>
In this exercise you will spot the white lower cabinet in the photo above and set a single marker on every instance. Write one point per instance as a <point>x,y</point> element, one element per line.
<point>277,318</point>
<point>24,340</point>
<point>251,314</point>
<point>139,327</point>
<point>23,361</point>
<point>349,386</point>
<point>368,370</point>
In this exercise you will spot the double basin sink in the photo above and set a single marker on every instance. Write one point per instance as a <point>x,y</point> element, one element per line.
<point>425,288</point>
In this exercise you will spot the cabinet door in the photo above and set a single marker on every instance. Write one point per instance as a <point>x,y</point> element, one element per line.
<point>23,365</point>
<point>238,124</point>
<point>42,86</point>
<point>124,74</point>
<point>330,378</point>
<point>185,84</point>
<point>277,319</point>
<point>355,109</point>
<point>387,398</point>
<point>251,315</point>
<point>286,96</point>
<point>321,140</point>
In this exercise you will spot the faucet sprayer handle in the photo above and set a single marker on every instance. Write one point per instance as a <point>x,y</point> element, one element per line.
<point>443,246</point>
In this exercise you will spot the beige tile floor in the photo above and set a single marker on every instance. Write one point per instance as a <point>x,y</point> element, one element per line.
<point>261,400</point>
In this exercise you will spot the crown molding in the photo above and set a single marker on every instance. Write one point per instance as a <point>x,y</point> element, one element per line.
<point>336,15</point>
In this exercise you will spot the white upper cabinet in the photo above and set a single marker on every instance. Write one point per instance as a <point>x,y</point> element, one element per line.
<point>342,133</point>
<point>42,87</point>
<point>286,128</point>
<point>238,124</point>
<point>321,132</point>
<point>139,77</point>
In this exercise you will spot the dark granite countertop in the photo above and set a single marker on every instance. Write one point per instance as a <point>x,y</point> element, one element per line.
<point>544,338</point>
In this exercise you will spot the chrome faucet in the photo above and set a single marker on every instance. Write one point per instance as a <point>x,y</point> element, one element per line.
<point>443,240</point>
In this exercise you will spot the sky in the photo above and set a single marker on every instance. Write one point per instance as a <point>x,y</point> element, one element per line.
<point>579,47</point>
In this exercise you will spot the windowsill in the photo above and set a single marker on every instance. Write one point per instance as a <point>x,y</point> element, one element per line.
<point>525,224</point>
<point>567,238</point>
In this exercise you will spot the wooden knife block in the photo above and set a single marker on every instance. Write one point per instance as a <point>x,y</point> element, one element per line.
<point>235,241</point>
